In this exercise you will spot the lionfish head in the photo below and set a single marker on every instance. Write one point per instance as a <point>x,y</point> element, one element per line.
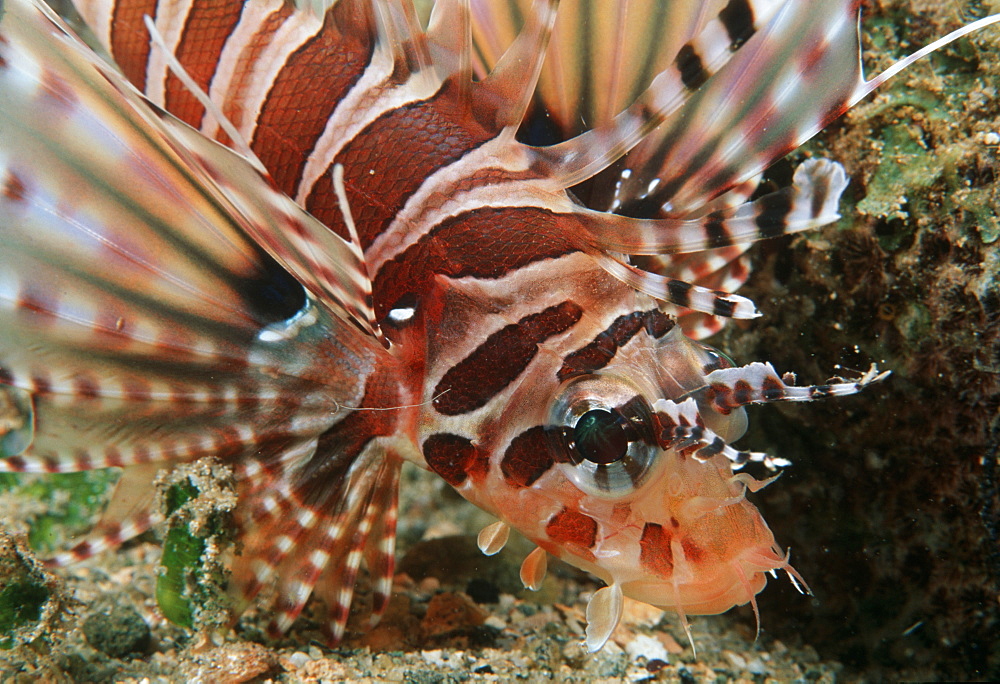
<point>621,466</point>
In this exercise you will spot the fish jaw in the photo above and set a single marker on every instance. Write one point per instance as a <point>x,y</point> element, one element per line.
<point>690,542</point>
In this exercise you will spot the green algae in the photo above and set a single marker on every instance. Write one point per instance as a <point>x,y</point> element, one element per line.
<point>197,500</point>
<point>60,506</point>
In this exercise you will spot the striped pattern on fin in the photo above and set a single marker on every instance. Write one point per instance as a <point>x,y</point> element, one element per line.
<point>793,76</point>
<point>129,513</point>
<point>139,315</point>
<point>301,536</point>
<point>730,388</point>
<point>682,426</point>
<point>627,43</point>
<point>115,303</point>
<point>811,201</point>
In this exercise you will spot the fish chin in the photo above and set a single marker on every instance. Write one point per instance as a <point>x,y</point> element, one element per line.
<point>703,547</point>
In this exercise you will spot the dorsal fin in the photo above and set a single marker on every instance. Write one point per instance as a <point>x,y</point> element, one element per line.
<point>450,38</point>
<point>507,90</point>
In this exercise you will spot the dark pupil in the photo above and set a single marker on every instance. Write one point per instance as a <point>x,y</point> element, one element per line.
<point>600,437</point>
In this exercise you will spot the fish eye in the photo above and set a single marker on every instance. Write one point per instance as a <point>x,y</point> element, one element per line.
<point>607,428</point>
<point>601,437</point>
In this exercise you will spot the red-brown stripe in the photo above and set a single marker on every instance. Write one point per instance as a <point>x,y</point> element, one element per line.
<point>306,91</point>
<point>531,454</point>
<point>244,71</point>
<point>599,353</point>
<point>498,361</point>
<point>422,137</point>
<point>130,38</point>
<point>572,527</point>
<point>485,243</point>
<point>206,30</point>
<point>654,550</point>
<point>455,458</point>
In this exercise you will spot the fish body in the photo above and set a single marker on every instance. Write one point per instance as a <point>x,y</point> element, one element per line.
<point>374,267</point>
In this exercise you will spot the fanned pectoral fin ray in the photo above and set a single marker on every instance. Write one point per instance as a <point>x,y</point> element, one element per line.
<point>141,322</point>
<point>302,534</point>
<point>129,286</point>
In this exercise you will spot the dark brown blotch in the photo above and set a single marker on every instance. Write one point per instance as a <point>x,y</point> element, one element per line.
<point>530,455</point>
<point>572,527</point>
<point>455,458</point>
<point>498,361</point>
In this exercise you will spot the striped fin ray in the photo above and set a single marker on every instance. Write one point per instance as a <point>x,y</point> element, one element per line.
<point>508,88</point>
<point>725,269</point>
<point>96,263</point>
<point>679,292</point>
<point>450,36</point>
<point>581,88</point>
<point>798,72</point>
<point>744,84</point>
<point>374,539</point>
<point>136,311</point>
<point>305,534</point>
<point>730,388</point>
<point>809,203</point>
<point>716,45</point>
<point>682,428</point>
<point>793,76</point>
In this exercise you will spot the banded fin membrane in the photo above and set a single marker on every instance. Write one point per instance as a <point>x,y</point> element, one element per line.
<point>149,315</point>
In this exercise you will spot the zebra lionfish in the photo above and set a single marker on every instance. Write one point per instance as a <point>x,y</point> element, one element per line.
<point>488,246</point>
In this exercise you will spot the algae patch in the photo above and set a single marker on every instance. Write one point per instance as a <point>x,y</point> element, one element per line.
<point>197,500</point>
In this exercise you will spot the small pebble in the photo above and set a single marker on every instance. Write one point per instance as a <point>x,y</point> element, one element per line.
<point>645,646</point>
<point>117,631</point>
<point>299,659</point>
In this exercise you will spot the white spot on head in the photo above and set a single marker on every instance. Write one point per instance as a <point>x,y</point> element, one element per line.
<point>402,314</point>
